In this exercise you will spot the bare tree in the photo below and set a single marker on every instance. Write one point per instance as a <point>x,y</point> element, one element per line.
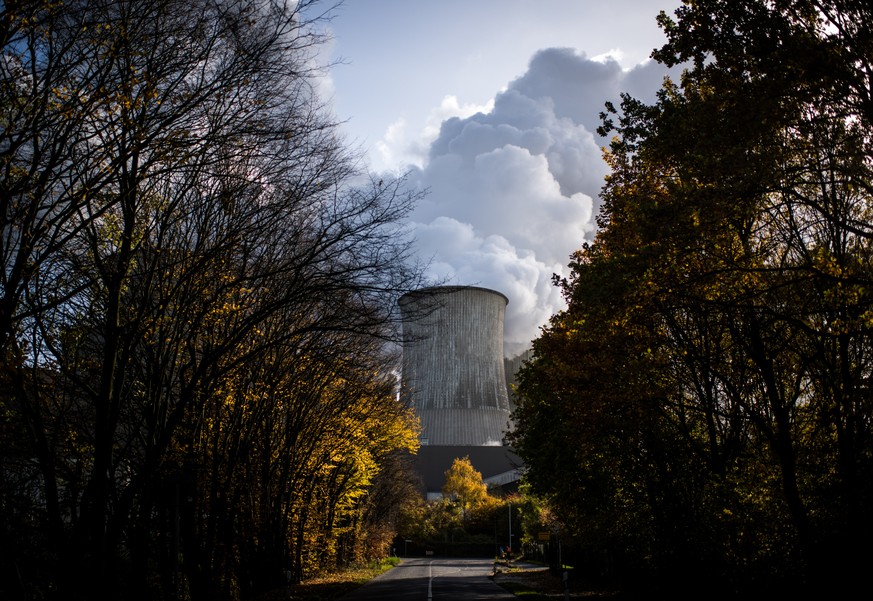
<point>176,205</point>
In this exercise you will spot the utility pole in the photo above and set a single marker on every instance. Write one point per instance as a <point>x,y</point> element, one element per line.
<point>510,529</point>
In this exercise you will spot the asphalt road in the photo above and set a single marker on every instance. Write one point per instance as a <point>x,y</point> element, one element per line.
<point>433,579</point>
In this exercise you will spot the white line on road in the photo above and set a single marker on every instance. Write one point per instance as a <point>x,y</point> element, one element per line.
<point>429,581</point>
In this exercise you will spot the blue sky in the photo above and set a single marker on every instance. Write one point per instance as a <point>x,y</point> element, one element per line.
<point>491,105</point>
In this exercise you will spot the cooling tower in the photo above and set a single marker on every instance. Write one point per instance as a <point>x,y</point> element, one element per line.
<point>453,368</point>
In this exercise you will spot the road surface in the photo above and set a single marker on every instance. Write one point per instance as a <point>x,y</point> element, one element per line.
<point>433,579</point>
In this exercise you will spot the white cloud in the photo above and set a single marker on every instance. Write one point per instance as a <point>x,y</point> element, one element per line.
<point>460,255</point>
<point>613,54</point>
<point>398,147</point>
<point>391,147</point>
<point>514,185</point>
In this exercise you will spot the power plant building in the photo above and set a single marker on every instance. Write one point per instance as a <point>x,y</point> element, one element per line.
<point>454,376</point>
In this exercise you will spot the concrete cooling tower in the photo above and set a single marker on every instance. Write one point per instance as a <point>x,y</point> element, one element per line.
<point>453,366</point>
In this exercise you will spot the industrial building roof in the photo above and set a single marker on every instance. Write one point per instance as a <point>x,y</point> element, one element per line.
<point>499,465</point>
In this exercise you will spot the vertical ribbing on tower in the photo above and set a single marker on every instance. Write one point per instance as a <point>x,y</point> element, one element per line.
<point>453,366</point>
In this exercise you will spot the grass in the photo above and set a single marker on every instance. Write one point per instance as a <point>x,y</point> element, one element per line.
<point>331,586</point>
<point>539,584</point>
<point>524,591</point>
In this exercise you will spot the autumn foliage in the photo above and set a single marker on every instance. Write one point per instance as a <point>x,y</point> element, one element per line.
<point>700,415</point>
<point>198,299</point>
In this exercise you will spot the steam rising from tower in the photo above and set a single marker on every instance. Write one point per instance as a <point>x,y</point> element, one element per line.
<point>453,367</point>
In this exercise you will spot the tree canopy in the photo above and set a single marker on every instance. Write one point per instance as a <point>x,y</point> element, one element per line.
<point>199,287</point>
<point>702,408</point>
<point>464,483</point>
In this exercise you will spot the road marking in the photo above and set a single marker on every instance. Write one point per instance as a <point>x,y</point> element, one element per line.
<point>429,581</point>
